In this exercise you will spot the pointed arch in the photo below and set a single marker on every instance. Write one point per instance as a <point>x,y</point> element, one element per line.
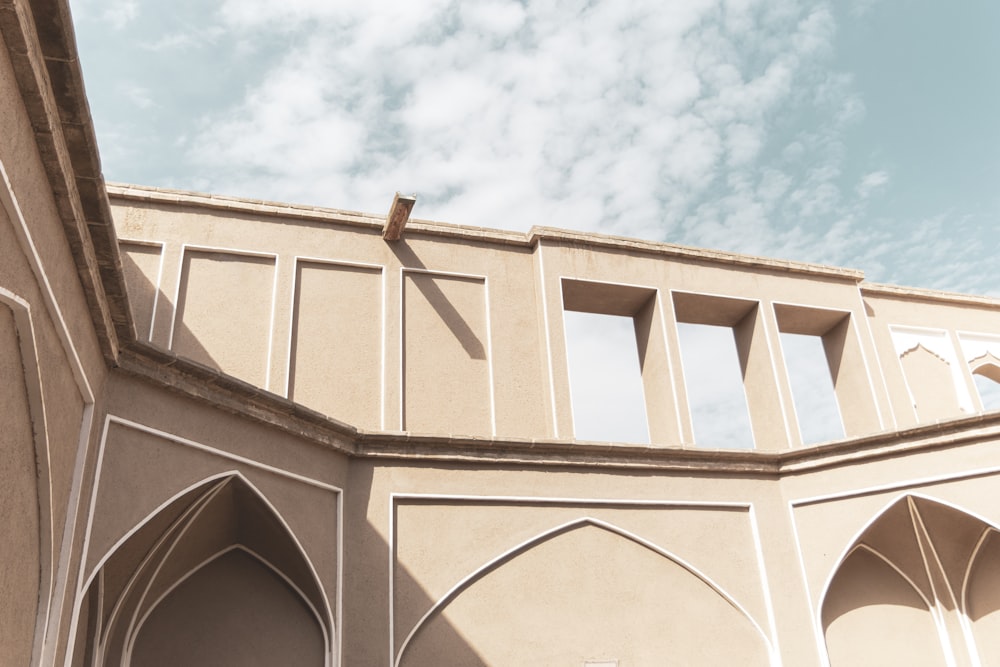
<point>495,563</point>
<point>186,532</point>
<point>291,591</point>
<point>927,546</point>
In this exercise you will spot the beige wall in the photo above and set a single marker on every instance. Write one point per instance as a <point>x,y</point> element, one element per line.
<point>185,493</point>
<point>52,373</point>
<point>382,334</point>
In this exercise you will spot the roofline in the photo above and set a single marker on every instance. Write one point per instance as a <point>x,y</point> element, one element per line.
<point>529,239</point>
<point>49,77</point>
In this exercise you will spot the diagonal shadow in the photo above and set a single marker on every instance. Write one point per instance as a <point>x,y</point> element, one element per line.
<point>444,308</point>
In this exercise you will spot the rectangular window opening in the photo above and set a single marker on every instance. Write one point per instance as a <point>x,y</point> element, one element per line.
<point>813,393</point>
<point>606,387</point>
<point>715,390</point>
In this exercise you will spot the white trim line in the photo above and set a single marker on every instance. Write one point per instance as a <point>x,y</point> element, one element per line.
<point>562,500</point>
<point>963,603</point>
<point>769,342</point>
<point>270,324</point>
<point>670,366</point>
<point>403,270</point>
<point>775,648</point>
<point>489,358</point>
<point>121,421</point>
<point>548,342</point>
<point>8,200</point>
<point>159,278</point>
<point>896,486</point>
<point>185,247</point>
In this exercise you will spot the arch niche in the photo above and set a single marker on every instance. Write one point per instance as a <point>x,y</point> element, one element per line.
<point>214,577</point>
<point>920,586</point>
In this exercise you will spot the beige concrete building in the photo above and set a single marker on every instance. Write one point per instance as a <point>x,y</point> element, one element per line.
<point>245,433</point>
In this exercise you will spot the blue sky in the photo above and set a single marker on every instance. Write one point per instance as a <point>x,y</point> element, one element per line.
<point>859,133</point>
<point>862,133</point>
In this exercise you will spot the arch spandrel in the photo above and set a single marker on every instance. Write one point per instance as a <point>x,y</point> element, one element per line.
<point>642,607</point>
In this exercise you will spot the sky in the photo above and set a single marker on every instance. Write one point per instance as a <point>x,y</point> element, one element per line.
<point>859,133</point>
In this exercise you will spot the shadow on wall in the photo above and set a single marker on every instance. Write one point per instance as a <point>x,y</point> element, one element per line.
<point>223,320</point>
<point>576,591</point>
<point>457,324</point>
<point>149,303</point>
<point>215,577</point>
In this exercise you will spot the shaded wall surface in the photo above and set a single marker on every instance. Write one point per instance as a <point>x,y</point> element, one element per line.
<point>242,433</point>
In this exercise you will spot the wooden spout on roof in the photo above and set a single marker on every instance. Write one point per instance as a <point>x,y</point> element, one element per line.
<point>398,216</point>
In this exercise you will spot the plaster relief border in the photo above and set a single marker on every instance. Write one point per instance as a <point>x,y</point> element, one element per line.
<point>159,278</point>
<point>185,247</point>
<point>770,639</point>
<point>297,260</point>
<point>44,649</point>
<point>403,270</point>
<point>334,618</point>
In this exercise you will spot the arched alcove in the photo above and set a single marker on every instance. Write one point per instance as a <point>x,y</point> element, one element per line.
<point>911,585</point>
<point>217,553</point>
<point>582,591</point>
<point>931,384</point>
<point>233,611</point>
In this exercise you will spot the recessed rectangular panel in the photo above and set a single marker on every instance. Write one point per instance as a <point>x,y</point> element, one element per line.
<point>224,312</point>
<point>336,360</point>
<point>445,355</point>
<point>141,266</point>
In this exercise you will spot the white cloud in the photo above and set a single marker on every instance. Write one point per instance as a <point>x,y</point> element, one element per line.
<point>871,182</point>
<point>625,113</point>
<point>708,122</point>
<point>119,13</point>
